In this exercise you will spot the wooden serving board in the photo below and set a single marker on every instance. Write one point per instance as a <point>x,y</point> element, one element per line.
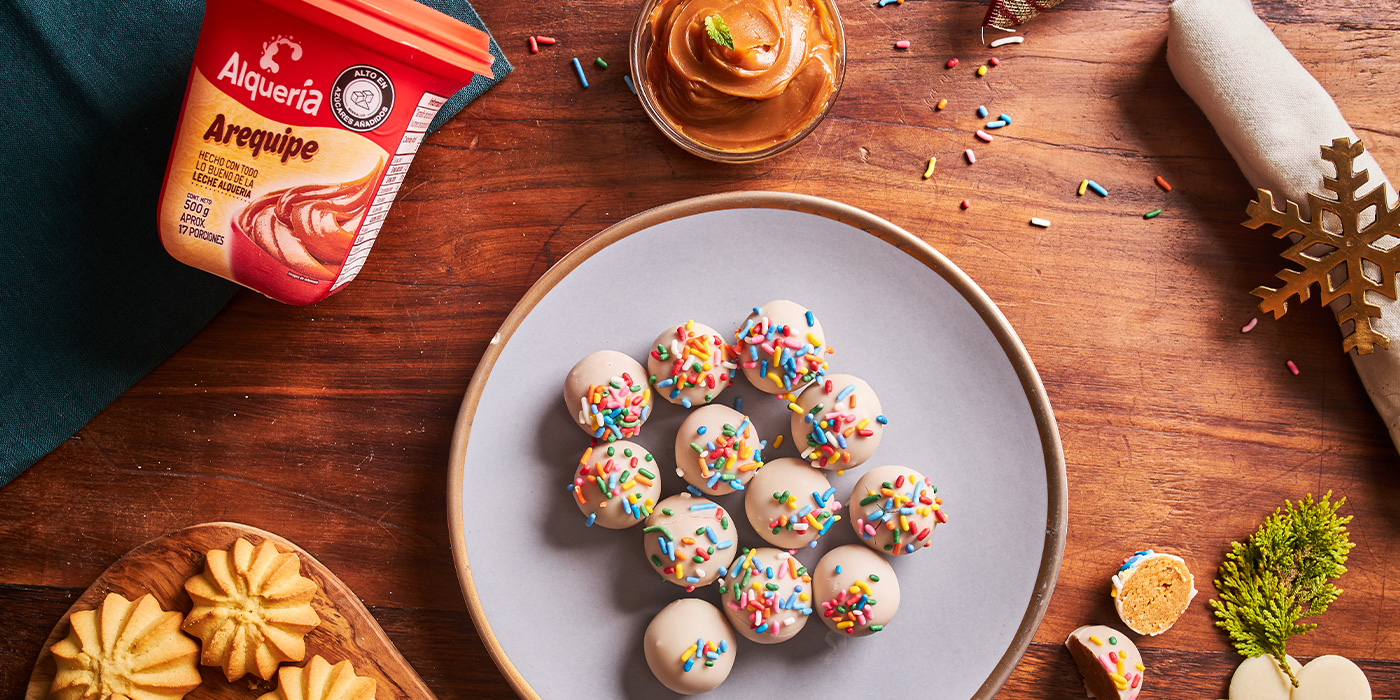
<point>161,566</point>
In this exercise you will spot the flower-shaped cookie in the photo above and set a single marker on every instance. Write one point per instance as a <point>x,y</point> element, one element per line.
<point>125,650</point>
<point>319,680</point>
<point>252,608</point>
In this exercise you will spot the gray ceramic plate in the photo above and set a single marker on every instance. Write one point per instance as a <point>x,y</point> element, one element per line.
<point>562,607</point>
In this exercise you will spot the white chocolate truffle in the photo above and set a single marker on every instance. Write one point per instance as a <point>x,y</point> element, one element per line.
<point>1108,660</point>
<point>689,540</point>
<point>689,647</point>
<point>718,450</point>
<point>790,504</point>
<point>1332,677</point>
<point>781,347</point>
<point>856,589</point>
<point>895,510</point>
<point>616,485</point>
<point>839,424</point>
<point>1151,591</point>
<point>767,595</point>
<point>607,395</point>
<point>1260,678</point>
<point>691,364</point>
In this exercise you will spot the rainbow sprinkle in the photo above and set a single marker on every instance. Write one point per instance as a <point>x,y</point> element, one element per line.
<point>853,608</point>
<point>756,595</point>
<point>789,357</point>
<point>615,410</point>
<point>1116,664</point>
<point>819,515</point>
<point>706,651</point>
<point>1135,558</point>
<point>896,510</point>
<point>685,556</point>
<point>617,476</point>
<point>828,438</point>
<point>726,457</point>
<point>694,360</point>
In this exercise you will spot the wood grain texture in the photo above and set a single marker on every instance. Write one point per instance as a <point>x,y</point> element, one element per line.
<point>346,632</point>
<point>330,424</point>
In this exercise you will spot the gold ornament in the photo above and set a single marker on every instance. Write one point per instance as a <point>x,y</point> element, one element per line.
<point>252,608</point>
<point>1348,248</point>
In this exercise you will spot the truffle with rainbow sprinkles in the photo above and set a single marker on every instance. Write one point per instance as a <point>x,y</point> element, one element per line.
<point>689,540</point>
<point>690,364</point>
<point>768,595</point>
<point>894,510</point>
<point>616,485</point>
<point>1110,663</point>
<point>837,422</point>
<point>781,347</point>
<point>856,589</point>
<point>607,395</point>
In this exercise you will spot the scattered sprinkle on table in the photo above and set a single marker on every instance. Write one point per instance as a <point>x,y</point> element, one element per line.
<point>981,70</point>
<point>1293,368</point>
<point>1162,183</point>
<point>534,45</point>
<point>546,39</point>
<point>982,111</point>
<point>996,124</point>
<point>1083,187</point>
<point>901,44</point>
<point>1004,117</point>
<point>601,63</point>
<point>1043,223</point>
<point>1250,326</point>
<point>928,172</point>
<point>1007,40</point>
<point>984,136</point>
<point>943,103</point>
<point>628,79</point>
<point>1097,188</point>
<point>971,157</point>
<point>578,70</point>
<point>952,63</point>
<point>1152,214</point>
<point>965,204</point>
<point>994,61</point>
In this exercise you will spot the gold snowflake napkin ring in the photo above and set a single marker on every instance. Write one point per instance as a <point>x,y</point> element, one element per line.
<point>1320,252</point>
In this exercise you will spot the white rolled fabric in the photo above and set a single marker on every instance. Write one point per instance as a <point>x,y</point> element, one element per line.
<point>1274,117</point>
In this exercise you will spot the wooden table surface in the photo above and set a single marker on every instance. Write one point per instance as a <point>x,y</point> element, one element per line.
<point>330,424</point>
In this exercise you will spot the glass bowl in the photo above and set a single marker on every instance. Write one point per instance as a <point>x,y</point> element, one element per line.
<point>641,43</point>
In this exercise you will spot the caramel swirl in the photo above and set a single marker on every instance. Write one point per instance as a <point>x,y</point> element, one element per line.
<point>778,78</point>
<point>309,228</point>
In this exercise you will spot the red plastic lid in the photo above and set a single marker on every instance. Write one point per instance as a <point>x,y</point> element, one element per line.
<point>404,30</point>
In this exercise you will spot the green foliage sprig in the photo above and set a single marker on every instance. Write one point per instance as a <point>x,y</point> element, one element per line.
<point>1280,575</point>
<point>719,31</point>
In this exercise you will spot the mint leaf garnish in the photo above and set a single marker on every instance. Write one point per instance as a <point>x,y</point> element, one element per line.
<point>719,31</point>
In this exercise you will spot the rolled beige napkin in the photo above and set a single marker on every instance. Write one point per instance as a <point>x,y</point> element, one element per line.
<point>1274,118</point>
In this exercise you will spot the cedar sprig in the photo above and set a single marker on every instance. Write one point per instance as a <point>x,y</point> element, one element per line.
<point>1280,575</point>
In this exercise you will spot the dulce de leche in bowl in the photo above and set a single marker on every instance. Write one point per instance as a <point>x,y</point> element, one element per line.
<point>300,120</point>
<point>738,80</point>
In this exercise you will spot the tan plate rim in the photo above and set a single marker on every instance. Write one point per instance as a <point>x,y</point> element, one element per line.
<point>1057,487</point>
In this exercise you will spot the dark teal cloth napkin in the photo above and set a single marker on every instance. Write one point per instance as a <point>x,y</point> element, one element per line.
<point>89,300</point>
